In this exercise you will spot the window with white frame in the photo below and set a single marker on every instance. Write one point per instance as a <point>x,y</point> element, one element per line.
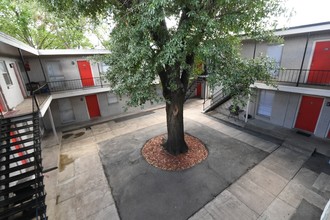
<point>4,72</point>
<point>112,98</point>
<point>275,53</point>
<point>266,103</point>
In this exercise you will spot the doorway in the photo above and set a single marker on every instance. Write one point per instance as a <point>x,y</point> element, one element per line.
<point>85,72</point>
<point>309,111</point>
<point>87,80</point>
<point>92,106</point>
<point>3,105</point>
<point>319,72</point>
<point>66,110</point>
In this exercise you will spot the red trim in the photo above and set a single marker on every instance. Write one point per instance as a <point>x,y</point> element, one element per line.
<point>13,140</point>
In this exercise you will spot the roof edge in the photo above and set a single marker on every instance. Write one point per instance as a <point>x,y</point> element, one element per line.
<point>57,52</point>
<point>16,43</point>
<point>308,28</point>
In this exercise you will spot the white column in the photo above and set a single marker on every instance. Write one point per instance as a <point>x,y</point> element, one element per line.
<point>52,124</point>
<point>247,109</point>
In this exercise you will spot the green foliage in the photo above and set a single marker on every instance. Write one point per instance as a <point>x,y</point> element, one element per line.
<point>143,46</point>
<point>28,21</point>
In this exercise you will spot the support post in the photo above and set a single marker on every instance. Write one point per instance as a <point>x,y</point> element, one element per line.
<point>247,109</point>
<point>27,75</point>
<point>303,59</point>
<point>52,124</point>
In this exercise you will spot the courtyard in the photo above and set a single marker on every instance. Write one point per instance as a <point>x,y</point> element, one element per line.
<point>102,175</point>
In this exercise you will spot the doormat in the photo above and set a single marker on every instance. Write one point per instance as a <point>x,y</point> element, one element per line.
<point>303,133</point>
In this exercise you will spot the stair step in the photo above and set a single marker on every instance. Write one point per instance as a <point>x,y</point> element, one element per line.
<point>17,120</point>
<point>16,159</point>
<point>3,129</point>
<point>19,150</point>
<point>17,168</point>
<point>6,145</point>
<point>23,196</point>
<point>30,205</point>
<point>21,185</point>
<point>18,177</point>
<point>15,135</point>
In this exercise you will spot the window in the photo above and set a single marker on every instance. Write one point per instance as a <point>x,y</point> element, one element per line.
<point>112,98</point>
<point>275,53</point>
<point>266,103</point>
<point>5,73</point>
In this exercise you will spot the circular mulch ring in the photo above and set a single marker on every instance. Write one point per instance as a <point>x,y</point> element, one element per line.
<point>157,156</point>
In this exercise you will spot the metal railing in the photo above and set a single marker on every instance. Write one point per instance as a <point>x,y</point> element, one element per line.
<point>216,99</point>
<point>303,76</point>
<point>39,96</point>
<point>192,87</point>
<point>63,85</point>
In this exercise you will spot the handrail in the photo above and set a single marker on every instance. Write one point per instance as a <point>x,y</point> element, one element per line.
<point>302,76</point>
<point>38,101</point>
<point>216,97</point>
<point>191,88</point>
<point>72,84</point>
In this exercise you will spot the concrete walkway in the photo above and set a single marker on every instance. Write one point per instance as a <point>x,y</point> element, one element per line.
<point>282,186</point>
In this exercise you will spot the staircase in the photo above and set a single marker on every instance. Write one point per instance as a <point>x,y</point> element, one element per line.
<point>192,87</point>
<point>217,99</point>
<point>22,193</point>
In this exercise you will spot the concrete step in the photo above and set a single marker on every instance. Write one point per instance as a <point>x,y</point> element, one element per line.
<point>307,150</point>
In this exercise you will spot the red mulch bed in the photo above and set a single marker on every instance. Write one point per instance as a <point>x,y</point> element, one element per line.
<point>157,156</point>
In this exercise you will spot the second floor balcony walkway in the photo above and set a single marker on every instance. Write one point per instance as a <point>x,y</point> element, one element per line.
<point>303,77</point>
<point>77,87</point>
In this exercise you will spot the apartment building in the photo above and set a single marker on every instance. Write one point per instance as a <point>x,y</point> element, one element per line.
<point>39,90</point>
<point>301,99</point>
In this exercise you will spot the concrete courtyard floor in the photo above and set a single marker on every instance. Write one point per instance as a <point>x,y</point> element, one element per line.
<point>285,182</point>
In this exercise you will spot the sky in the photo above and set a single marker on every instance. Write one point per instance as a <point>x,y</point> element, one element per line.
<point>308,12</point>
<point>304,12</point>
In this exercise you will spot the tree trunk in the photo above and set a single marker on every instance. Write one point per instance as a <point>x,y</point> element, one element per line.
<point>175,143</point>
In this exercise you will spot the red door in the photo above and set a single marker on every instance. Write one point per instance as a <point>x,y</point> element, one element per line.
<point>85,73</point>
<point>199,90</point>
<point>93,106</point>
<point>309,112</point>
<point>87,80</point>
<point>3,107</point>
<point>320,67</point>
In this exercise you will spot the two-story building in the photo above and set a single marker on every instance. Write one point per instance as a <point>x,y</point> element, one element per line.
<point>43,89</point>
<point>301,99</point>
<point>72,87</point>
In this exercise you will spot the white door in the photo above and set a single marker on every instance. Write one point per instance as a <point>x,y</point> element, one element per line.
<point>66,111</point>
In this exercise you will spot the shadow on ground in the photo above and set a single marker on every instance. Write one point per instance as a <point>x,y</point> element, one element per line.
<point>142,191</point>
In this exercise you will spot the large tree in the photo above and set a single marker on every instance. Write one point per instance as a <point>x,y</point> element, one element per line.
<point>30,22</point>
<point>164,38</point>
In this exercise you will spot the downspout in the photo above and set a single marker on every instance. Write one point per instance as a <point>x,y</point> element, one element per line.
<point>42,69</point>
<point>303,59</point>
<point>27,75</point>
